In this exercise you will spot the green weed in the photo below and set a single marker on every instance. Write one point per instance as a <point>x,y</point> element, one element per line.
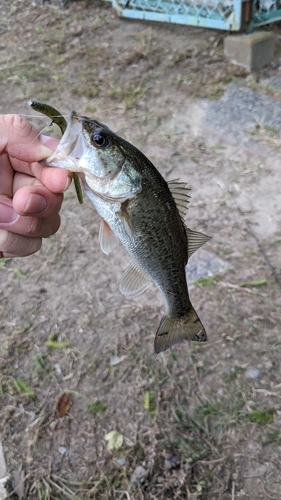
<point>97,407</point>
<point>24,389</point>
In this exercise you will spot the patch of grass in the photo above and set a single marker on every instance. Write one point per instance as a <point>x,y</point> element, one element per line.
<point>54,344</point>
<point>24,389</point>
<point>90,109</point>
<point>253,283</point>
<point>130,94</point>
<point>87,90</point>
<point>19,273</point>
<point>208,409</point>
<point>207,281</point>
<point>97,407</point>
<point>4,261</point>
<point>149,402</point>
<point>270,437</point>
<point>262,417</point>
<point>40,363</point>
<point>233,373</point>
<point>59,60</point>
<point>266,90</point>
<point>216,92</point>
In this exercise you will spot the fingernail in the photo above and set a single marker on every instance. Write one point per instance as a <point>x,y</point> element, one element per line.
<point>49,142</point>
<point>68,182</point>
<point>36,203</point>
<point>7,213</point>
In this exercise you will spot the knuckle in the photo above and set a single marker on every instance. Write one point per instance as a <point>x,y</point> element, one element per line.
<point>33,225</point>
<point>16,245</point>
<point>33,245</point>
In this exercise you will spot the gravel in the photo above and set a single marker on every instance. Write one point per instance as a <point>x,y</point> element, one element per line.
<point>241,109</point>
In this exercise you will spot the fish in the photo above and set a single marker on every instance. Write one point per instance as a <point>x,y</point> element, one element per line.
<point>143,211</point>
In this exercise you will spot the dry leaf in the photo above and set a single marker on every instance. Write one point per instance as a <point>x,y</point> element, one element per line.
<point>64,404</point>
<point>114,440</point>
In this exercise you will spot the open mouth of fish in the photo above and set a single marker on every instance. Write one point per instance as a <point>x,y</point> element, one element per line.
<point>71,146</point>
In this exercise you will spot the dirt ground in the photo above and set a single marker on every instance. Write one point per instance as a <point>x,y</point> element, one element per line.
<point>199,421</point>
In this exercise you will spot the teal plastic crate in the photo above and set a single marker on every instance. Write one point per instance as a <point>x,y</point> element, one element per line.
<point>232,15</point>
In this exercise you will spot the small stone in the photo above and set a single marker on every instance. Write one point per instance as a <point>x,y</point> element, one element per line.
<point>268,365</point>
<point>252,373</point>
<point>172,462</point>
<point>121,461</point>
<point>139,476</point>
<point>57,368</point>
<point>75,30</point>
<point>115,360</point>
<point>251,78</point>
<point>251,403</point>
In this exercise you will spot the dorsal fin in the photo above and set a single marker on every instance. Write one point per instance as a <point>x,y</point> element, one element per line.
<point>108,240</point>
<point>179,191</point>
<point>134,281</point>
<point>195,240</point>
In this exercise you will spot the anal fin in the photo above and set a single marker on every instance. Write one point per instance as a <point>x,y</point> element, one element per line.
<point>134,281</point>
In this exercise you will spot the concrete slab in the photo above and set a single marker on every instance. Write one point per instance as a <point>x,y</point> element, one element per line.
<point>252,52</point>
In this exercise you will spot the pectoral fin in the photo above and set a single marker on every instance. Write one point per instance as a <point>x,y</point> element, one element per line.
<point>195,240</point>
<point>108,240</point>
<point>134,281</point>
<point>126,220</point>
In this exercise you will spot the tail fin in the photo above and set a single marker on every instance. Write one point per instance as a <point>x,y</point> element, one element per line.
<point>174,329</point>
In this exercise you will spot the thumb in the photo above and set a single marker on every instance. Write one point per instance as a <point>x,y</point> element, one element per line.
<point>22,141</point>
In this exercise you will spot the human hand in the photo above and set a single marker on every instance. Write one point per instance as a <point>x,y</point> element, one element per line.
<point>30,194</point>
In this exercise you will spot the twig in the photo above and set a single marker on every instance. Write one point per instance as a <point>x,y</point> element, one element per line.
<point>239,287</point>
<point>233,490</point>
<point>267,393</point>
<point>210,462</point>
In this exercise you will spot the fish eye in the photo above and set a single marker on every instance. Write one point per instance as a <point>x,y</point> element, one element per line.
<point>100,139</point>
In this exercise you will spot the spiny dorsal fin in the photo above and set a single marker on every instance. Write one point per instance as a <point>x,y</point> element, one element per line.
<point>179,191</point>
<point>195,240</point>
<point>108,240</point>
<point>134,281</point>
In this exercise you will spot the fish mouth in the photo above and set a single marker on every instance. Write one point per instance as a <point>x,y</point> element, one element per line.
<point>71,146</point>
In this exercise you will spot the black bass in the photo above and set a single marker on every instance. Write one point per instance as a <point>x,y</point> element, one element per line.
<point>143,211</point>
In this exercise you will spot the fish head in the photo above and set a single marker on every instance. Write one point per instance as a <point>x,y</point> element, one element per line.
<point>93,151</point>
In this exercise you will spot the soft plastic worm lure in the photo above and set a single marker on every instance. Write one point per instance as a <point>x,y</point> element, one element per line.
<point>59,120</point>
